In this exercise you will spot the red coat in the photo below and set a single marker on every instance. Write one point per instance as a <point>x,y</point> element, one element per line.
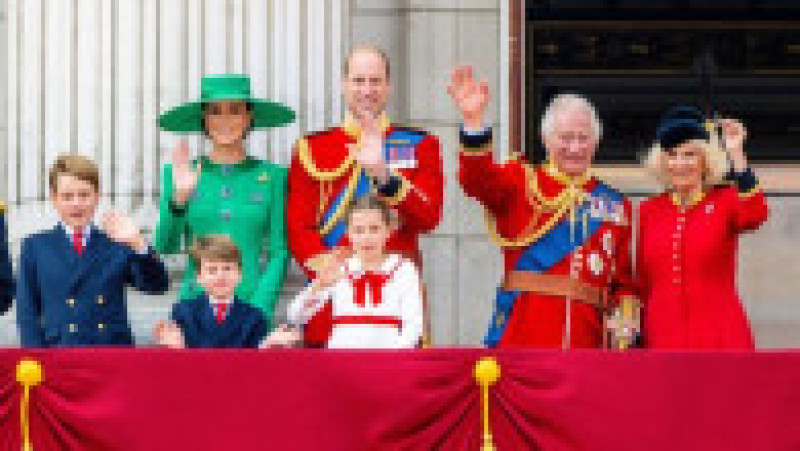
<point>686,266</point>
<point>516,219</point>
<point>322,166</point>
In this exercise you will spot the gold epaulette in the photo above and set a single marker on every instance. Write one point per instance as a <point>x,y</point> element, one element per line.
<point>303,150</point>
<point>3,207</point>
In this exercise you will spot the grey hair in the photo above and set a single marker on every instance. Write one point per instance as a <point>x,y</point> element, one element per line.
<point>716,162</point>
<point>564,102</point>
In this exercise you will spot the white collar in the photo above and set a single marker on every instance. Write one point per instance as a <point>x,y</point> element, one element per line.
<point>70,231</point>
<point>224,301</point>
<point>390,261</point>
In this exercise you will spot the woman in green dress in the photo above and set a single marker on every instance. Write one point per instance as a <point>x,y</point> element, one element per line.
<point>227,191</point>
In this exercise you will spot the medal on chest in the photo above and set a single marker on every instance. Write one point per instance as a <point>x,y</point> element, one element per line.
<point>400,154</point>
<point>595,264</point>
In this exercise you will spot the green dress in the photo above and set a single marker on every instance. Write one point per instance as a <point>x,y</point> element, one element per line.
<point>244,201</point>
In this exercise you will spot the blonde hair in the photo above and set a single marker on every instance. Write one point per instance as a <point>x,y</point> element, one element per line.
<point>78,166</point>
<point>715,169</point>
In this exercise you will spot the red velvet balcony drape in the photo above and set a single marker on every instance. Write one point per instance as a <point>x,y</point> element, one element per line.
<point>416,400</point>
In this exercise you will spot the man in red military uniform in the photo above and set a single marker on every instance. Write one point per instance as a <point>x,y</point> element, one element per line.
<point>565,235</point>
<point>367,153</point>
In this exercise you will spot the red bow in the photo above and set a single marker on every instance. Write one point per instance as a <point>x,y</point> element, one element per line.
<point>375,282</point>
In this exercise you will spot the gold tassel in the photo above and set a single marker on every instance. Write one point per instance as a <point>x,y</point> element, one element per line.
<point>628,307</point>
<point>29,374</point>
<point>487,372</point>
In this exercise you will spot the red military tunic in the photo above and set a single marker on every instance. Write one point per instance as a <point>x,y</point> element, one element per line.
<point>686,266</point>
<point>522,205</point>
<point>322,166</point>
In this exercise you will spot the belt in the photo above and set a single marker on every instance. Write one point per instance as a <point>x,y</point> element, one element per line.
<point>555,285</point>
<point>369,320</point>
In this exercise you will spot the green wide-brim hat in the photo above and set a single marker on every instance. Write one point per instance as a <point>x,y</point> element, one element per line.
<point>188,117</point>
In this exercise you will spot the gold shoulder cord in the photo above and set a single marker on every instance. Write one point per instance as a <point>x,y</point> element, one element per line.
<point>304,154</point>
<point>550,203</point>
<point>562,203</point>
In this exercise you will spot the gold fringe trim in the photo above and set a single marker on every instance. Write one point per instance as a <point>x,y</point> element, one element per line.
<point>352,128</point>
<point>752,192</point>
<point>348,197</point>
<point>578,180</point>
<point>480,150</point>
<point>304,154</point>
<point>405,187</point>
<point>695,199</point>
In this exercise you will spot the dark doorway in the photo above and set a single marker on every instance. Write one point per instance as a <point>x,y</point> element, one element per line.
<point>635,61</point>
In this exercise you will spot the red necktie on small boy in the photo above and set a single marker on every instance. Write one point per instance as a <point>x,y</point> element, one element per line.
<point>77,241</point>
<point>221,309</point>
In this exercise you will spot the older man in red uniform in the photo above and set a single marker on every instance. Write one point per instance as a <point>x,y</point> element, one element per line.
<point>565,235</point>
<point>365,154</point>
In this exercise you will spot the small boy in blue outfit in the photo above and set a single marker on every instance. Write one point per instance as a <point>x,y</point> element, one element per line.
<point>216,318</point>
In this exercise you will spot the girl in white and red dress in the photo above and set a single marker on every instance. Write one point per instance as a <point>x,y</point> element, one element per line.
<point>376,297</point>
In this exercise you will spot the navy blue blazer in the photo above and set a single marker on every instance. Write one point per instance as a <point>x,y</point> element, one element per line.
<point>66,299</point>
<point>244,326</point>
<point>6,275</point>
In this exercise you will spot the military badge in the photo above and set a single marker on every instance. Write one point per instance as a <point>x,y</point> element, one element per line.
<point>596,206</point>
<point>595,263</point>
<point>400,154</point>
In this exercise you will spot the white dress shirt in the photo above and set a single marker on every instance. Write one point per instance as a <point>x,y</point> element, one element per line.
<point>216,304</point>
<point>87,229</point>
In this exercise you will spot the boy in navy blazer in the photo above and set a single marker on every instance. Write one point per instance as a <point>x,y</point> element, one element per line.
<point>73,277</point>
<point>216,318</point>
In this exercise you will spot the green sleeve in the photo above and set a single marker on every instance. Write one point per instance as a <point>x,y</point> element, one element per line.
<point>271,280</point>
<point>171,225</point>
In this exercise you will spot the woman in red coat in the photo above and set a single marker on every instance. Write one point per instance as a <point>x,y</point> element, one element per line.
<point>688,236</point>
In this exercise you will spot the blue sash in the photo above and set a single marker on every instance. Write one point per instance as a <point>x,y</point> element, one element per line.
<point>548,251</point>
<point>334,236</point>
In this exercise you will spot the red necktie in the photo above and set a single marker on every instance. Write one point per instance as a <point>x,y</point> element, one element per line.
<point>221,309</point>
<point>375,282</point>
<point>77,241</point>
